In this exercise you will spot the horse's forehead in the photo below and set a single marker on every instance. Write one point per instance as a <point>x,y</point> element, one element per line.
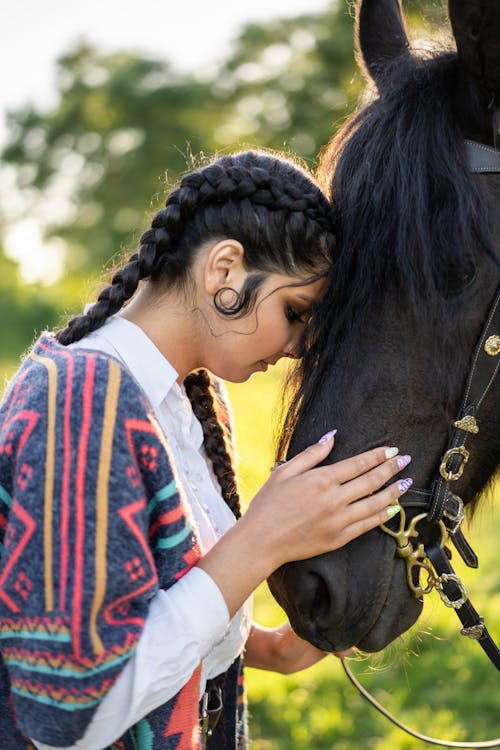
<point>476,27</point>
<point>472,17</point>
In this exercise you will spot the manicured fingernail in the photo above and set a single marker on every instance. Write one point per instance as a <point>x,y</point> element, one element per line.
<point>405,485</point>
<point>326,438</point>
<point>403,461</point>
<point>391,452</point>
<point>392,510</point>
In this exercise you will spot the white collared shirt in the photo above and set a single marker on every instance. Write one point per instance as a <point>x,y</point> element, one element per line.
<point>189,622</point>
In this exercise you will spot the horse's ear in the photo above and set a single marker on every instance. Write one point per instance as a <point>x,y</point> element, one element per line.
<point>380,35</point>
<point>476,27</point>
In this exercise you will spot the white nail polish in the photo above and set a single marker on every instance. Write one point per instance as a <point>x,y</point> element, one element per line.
<point>326,438</point>
<point>391,452</point>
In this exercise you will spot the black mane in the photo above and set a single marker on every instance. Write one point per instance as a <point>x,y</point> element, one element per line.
<point>388,352</point>
<point>412,220</point>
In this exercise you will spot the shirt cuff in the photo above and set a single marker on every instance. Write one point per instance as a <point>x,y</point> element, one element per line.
<point>199,599</point>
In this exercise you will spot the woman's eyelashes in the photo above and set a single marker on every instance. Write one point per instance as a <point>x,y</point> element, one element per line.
<point>293,316</point>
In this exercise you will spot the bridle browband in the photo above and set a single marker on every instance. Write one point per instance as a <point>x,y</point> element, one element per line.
<point>481,158</point>
<point>441,507</point>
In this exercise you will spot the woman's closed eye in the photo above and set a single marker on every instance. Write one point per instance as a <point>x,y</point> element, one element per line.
<point>294,316</point>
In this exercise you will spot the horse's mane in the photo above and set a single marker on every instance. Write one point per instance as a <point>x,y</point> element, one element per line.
<point>411,218</point>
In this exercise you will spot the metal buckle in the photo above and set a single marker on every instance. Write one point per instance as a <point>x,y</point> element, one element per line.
<point>414,558</point>
<point>447,474</point>
<point>211,709</point>
<point>451,578</point>
<point>474,631</point>
<point>455,518</point>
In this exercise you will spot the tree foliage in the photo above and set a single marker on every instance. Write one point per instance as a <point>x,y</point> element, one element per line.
<point>23,312</point>
<point>289,83</point>
<point>99,156</point>
<point>92,169</point>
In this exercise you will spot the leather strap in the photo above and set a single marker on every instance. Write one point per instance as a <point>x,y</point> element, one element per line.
<point>481,158</point>
<point>483,371</point>
<point>464,549</point>
<point>454,593</point>
<point>420,500</point>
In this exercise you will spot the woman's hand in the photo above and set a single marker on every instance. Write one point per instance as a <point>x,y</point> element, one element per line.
<point>281,650</point>
<point>304,510</point>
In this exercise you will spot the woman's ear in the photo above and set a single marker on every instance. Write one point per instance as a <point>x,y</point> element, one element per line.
<point>224,266</point>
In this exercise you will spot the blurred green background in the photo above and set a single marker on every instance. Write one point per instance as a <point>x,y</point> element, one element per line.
<point>88,173</point>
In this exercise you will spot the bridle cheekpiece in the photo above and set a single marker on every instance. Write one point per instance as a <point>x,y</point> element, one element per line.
<point>442,508</point>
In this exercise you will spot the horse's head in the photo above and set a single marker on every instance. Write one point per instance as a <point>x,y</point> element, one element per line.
<point>417,270</point>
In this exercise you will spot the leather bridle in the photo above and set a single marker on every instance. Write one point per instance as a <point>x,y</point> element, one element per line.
<point>440,506</point>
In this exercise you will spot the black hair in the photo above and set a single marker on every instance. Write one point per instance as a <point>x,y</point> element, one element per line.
<point>269,204</point>
<point>412,221</point>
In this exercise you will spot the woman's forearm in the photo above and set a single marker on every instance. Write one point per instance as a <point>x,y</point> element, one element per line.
<point>239,562</point>
<point>279,650</point>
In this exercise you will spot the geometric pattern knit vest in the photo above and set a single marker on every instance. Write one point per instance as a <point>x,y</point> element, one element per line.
<point>92,524</point>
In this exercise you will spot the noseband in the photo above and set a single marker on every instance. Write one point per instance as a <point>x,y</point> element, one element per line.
<point>439,505</point>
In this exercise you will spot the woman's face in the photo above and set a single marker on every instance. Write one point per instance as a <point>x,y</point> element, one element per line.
<point>271,330</point>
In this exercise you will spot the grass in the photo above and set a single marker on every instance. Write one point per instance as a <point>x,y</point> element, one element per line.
<point>433,679</point>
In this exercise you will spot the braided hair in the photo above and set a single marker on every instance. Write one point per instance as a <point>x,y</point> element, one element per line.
<point>269,204</point>
<point>204,400</point>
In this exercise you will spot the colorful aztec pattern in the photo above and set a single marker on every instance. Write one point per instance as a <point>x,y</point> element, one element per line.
<point>92,522</point>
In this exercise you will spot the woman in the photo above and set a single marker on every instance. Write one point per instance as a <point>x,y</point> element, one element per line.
<point>125,580</point>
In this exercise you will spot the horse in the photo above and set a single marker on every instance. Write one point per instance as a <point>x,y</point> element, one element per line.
<point>414,178</point>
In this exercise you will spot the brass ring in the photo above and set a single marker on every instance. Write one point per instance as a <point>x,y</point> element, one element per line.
<point>448,475</point>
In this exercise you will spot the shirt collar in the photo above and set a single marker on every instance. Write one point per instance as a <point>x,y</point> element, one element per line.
<point>147,364</point>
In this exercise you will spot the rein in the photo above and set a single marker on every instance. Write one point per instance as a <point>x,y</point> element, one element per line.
<point>440,506</point>
<point>400,725</point>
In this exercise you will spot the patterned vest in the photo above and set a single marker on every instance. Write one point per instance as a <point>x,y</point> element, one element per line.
<point>92,523</point>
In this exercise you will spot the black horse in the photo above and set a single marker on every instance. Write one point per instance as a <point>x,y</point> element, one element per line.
<point>417,270</point>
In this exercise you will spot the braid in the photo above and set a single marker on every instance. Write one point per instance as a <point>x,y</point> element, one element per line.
<point>153,249</point>
<point>269,204</point>
<point>257,185</point>
<point>200,392</point>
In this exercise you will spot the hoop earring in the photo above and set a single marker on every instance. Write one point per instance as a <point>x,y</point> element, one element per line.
<point>232,303</point>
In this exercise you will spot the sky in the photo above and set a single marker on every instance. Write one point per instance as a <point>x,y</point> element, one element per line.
<point>190,33</point>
